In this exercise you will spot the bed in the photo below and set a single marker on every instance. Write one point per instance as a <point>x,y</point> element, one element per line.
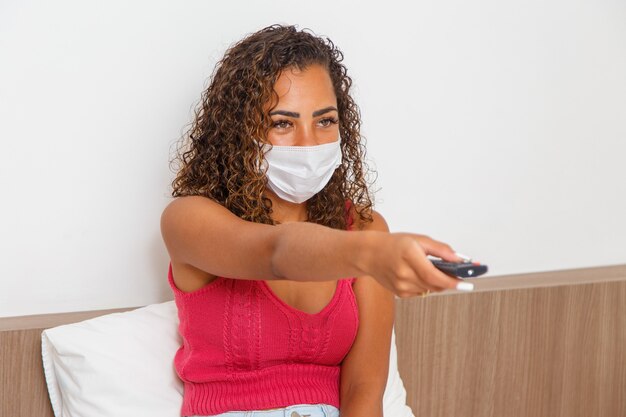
<point>540,344</point>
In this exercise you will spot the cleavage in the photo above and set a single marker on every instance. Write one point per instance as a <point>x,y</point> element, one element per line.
<point>308,297</point>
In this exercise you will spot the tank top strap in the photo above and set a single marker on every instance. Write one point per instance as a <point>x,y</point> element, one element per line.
<point>349,219</point>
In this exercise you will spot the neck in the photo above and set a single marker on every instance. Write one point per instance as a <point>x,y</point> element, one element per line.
<point>286,211</point>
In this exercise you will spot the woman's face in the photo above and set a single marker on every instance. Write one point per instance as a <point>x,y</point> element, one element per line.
<point>306,113</point>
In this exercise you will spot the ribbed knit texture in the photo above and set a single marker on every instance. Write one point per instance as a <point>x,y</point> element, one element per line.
<point>246,349</point>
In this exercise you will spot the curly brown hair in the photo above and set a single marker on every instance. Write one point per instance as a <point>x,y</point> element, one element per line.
<point>219,155</point>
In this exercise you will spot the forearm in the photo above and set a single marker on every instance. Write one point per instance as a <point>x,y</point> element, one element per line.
<point>312,252</point>
<point>361,404</point>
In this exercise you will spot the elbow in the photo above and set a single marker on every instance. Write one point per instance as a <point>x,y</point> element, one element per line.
<point>276,274</point>
<point>276,253</point>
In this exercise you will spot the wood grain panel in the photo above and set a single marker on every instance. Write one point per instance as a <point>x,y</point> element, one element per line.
<point>23,389</point>
<point>554,352</point>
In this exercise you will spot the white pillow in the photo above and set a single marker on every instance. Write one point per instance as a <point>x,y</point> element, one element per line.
<point>394,398</point>
<point>121,364</point>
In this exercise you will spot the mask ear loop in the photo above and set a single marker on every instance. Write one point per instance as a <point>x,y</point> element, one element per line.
<point>262,149</point>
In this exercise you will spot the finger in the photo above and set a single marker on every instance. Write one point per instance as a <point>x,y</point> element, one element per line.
<point>438,278</point>
<point>418,285</point>
<point>465,258</point>
<point>413,293</point>
<point>441,250</point>
<point>425,285</point>
<point>428,276</point>
<point>415,261</point>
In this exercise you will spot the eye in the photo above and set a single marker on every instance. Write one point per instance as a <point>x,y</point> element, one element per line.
<point>328,121</point>
<point>281,124</point>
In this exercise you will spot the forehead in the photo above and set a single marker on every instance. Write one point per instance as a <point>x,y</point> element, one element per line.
<point>309,86</point>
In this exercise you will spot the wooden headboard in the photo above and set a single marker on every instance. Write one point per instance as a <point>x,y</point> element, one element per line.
<point>547,344</point>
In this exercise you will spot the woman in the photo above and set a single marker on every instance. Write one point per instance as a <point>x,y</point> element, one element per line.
<point>283,275</point>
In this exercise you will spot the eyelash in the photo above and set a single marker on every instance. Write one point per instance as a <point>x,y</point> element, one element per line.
<point>332,120</point>
<point>279,122</point>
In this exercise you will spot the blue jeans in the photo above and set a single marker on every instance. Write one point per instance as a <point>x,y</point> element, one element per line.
<point>298,410</point>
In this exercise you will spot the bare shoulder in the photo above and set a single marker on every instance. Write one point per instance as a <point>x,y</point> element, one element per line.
<point>180,212</point>
<point>378,224</point>
<point>183,206</point>
<point>205,239</point>
<point>182,217</point>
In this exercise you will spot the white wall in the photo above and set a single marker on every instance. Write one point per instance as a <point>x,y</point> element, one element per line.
<point>498,127</point>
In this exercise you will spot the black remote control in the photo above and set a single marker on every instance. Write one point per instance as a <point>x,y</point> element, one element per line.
<point>460,269</point>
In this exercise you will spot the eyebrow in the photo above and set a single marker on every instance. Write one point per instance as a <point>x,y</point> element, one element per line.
<point>296,115</point>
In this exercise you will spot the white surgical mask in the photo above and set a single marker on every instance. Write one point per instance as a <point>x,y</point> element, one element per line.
<point>297,173</point>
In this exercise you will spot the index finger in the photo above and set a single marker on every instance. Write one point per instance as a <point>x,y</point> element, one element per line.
<point>437,277</point>
<point>453,281</point>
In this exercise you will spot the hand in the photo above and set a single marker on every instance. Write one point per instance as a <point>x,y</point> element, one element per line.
<point>398,262</point>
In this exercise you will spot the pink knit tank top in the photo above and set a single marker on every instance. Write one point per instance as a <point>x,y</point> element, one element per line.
<point>243,348</point>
